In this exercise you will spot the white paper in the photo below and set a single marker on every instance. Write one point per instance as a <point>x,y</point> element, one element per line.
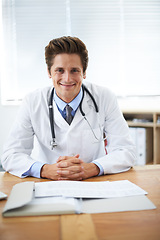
<point>52,200</point>
<point>22,201</point>
<point>60,202</point>
<point>132,203</point>
<point>88,189</point>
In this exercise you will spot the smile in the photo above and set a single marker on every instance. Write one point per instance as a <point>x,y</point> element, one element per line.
<point>67,85</point>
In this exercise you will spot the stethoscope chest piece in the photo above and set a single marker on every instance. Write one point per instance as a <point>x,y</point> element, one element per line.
<point>53,144</point>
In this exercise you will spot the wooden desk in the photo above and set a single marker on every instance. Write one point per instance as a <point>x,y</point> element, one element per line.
<point>123,225</point>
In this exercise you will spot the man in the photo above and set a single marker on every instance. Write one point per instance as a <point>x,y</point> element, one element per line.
<point>79,150</point>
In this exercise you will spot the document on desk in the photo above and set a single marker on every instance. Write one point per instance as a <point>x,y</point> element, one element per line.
<point>77,189</point>
<point>22,202</point>
<point>118,196</point>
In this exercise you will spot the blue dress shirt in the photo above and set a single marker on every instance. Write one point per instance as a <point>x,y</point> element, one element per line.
<point>35,169</point>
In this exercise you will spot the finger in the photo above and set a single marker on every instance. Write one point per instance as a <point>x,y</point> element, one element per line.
<point>65,172</point>
<point>62,158</point>
<point>69,162</point>
<point>76,160</point>
<point>75,177</point>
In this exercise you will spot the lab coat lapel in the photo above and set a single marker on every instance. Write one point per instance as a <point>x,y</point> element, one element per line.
<point>58,119</point>
<point>61,122</point>
<point>85,107</point>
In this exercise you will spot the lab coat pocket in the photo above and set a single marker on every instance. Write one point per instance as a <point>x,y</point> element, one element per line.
<point>92,144</point>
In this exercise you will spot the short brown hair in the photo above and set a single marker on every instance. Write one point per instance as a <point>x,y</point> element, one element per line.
<point>68,45</point>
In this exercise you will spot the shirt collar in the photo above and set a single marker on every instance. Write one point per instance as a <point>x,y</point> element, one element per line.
<point>74,103</point>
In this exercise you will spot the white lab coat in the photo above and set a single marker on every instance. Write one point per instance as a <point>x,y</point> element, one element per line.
<point>77,138</point>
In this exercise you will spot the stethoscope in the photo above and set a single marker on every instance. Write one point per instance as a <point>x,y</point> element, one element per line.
<point>51,115</point>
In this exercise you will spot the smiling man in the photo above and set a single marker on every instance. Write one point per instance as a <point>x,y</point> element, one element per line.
<point>75,118</point>
<point>67,75</point>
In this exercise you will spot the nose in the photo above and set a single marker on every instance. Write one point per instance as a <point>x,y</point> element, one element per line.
<point>66,76</point>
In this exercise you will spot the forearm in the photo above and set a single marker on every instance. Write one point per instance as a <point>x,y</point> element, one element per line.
<point>117,161</point>
<point>16,163</point>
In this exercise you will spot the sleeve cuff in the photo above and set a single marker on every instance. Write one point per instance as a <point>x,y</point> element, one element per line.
<point>100,168</point>
<point>34,170</point>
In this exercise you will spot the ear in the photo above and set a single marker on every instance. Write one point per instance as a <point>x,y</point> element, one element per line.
<point>84,75</point>
<point>49,75</point>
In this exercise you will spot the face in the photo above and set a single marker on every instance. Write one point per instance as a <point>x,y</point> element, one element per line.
<point>67,75</point>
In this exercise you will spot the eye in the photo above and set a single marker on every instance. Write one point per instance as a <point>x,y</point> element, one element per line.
<point>74,70</point>
<point>60,70</point>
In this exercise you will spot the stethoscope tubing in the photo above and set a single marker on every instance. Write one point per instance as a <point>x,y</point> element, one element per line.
<point>51,112</point>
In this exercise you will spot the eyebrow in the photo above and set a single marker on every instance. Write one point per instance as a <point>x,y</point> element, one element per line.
<point>70,68</point>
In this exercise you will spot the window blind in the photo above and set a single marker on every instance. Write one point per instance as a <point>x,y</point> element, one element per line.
<point>28,26</point>
<point>122,36</point>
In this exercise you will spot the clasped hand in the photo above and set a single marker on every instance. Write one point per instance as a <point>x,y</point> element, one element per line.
<point>70,168</point>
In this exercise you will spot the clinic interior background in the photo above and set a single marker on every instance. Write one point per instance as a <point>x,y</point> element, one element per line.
<point>122,37</point>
